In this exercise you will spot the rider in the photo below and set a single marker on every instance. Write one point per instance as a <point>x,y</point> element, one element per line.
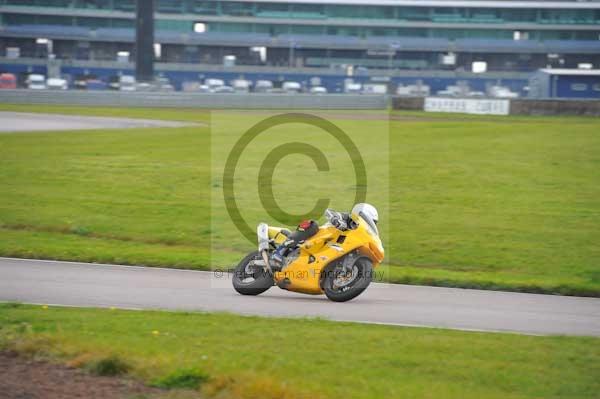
<point>340,220</point>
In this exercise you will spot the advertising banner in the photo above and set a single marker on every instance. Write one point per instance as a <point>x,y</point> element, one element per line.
<point>467,105</point>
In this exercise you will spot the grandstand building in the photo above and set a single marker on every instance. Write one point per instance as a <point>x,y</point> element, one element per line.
<point>401,39</point>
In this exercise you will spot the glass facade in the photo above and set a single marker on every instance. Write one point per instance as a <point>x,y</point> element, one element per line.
<point>445,15</point>
<point>321,23</point>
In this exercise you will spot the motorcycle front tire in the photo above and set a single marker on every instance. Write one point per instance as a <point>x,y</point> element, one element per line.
<point>362,281</point>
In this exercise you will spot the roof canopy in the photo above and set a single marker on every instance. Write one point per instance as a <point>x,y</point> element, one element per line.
<point>564,71</point>
<point>450,3</point>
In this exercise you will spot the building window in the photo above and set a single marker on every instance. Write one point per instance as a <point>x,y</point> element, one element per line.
<point>199,27</point>
<point>479,66</point>
<point>520,35</point>
<point>578,86</point>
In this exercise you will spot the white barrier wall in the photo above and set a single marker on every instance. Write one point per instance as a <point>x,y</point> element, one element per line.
<point>467,105</point>
<point>196,100</point>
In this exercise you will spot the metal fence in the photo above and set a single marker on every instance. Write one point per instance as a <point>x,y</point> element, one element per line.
<point>197,100</point>
<point>273,101</point>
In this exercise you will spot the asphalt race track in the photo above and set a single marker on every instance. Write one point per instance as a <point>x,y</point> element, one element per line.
<point>31,122</point>
<point>83,284</point>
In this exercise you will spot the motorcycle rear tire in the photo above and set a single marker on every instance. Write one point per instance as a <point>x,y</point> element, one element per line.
<point>262,280</point>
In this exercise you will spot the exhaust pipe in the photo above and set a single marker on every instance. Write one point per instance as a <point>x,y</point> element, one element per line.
<point>262,232</point>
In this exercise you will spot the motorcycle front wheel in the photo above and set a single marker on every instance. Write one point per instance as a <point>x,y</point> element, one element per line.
<point>248,280</point>
<point>343,285</point>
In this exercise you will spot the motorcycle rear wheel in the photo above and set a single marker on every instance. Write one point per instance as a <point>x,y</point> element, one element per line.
<point>354,285</point>
<point>251,281</point>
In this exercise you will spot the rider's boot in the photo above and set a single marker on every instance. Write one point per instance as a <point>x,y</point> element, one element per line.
<point>278,256</point>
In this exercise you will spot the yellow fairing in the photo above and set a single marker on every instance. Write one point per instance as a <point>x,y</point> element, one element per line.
<point>303,275</point>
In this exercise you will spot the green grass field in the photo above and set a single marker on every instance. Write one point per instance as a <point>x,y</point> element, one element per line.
<point>501,202</point>
<point>251,357</point>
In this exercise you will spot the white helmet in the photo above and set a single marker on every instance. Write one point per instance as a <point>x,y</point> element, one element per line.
<point>366,211</point>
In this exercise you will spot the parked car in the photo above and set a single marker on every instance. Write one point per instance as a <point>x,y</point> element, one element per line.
<point>163,84</point>
<point>224,89</point>
<point>416,90</point>
<point>114,82</point>
<point>241,85</point>
<point>263,86</point>
<point>214,83</point>
<point>291,87</point>
<point>374,88</point>
<point>276,90</point>
<point>144,86</point>
<point>80,82</point>
<point>352,88</point>
<point>501,92</point>
<point>95,84</point>
<point>190,86</point>
<point>318,90</point>
<point>127,83</point>
<point>8,81</point>
<point>57,84</point>
<point>36,82</point>
<point>476,94</point>
<point>460,89</point>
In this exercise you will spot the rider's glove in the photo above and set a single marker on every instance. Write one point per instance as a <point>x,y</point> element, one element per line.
<point>339,223</point>
<point>336,219</point>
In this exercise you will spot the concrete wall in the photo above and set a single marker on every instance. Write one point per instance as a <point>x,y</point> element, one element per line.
<point>274,101</point>
<point>555,107</point>
<point>197,100</point>
<point>408,103</point>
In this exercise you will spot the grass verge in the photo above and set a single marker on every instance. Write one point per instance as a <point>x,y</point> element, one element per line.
<point>509,203</point>
<point>248,357</point>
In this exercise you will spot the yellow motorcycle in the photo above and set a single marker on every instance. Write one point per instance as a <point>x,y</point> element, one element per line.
<point>328,260</point>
